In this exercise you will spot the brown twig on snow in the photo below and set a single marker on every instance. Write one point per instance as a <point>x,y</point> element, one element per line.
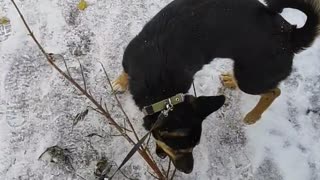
<point>173,174</point>
<point>119,104</point>
<point>169,167</point>
<point>84,91</point>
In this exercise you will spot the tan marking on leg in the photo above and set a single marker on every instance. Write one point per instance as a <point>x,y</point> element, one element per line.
<point>121,83</point>
<point>228,81</point>
<point>264,103</point>
<point>166,149</point>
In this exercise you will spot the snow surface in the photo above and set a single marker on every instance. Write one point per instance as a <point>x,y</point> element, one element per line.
<point>37,105</point>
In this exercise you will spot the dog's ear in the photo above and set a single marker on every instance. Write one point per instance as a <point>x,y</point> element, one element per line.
<point>147,123</point>
<point>205,105</point>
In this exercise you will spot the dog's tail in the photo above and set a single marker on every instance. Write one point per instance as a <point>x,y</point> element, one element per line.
<point>303,37</point>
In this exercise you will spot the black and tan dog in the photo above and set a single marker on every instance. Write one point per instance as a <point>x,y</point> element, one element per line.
<point>160,62</point>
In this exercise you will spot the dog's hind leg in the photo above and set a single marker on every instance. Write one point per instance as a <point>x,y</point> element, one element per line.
<point>228,81</point>
<point>121,83</point>
<point>265,101</point>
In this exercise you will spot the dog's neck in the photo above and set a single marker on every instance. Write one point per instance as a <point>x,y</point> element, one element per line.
<point>167,75</point>
<point>155,90</point>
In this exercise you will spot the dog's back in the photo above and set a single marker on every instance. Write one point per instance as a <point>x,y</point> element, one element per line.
<point>187,34</point>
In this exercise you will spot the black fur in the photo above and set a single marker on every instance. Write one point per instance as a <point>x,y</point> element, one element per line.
<point>187,34</point>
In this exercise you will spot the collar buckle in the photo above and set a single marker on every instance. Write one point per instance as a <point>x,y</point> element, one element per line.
<point>164,106</point>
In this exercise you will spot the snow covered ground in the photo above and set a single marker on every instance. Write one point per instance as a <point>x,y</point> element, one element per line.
<point>37,105</point>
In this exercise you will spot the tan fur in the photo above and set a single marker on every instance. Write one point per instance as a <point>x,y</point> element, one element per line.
<point>121,83</point>
<point>170,152</point>
<point>228,81</point>
<point>172,134</point>
<point>265,101</point>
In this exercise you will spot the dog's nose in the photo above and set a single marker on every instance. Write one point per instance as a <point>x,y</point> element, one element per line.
<point>184,163</point>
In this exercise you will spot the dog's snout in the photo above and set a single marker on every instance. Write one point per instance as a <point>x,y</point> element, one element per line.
<point>182,159</point>
<point>184,162</point>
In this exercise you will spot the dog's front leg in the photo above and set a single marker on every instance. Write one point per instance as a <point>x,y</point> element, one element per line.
<point>228,81</point>
<point>265,101</point>
<point>121,83</point>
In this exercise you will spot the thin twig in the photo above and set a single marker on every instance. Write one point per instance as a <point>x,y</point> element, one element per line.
<point>94,134</point>
<point>123,128</point>
<point>83,78</point>
<point>89,92</point>
<point>152,158</point>
<point>66,65</point>
<point>152,175</point>
<point>80,176</point>
<point>115,135</point>
<point>145,156</point>
<point>169,167</point>
<point>100,101</point>
<point>115,164</point>
<point>105,107</point>
<point>119,104</point>
<point>95,109</point>
<point>146,148</point>
<point>173,174</point>
<point>148,141</point>
<point>194,89</point>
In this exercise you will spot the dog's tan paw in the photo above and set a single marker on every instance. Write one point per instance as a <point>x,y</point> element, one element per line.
<point>228,81</point>
<point>251,118</point>
<point>120,84</point>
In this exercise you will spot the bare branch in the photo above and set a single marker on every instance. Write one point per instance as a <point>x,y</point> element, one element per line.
<point>173,174</point>
<point>94,134</point>
<point>67,68</point>
<point>105,113</point>
<point>169,167</point>
<point>123,128</point>
<point>119,104</point>
<point>83,78</point>
<point>95,109</point>
<point>152,175</point>
<point>147,144</point>
<point>100,101</point>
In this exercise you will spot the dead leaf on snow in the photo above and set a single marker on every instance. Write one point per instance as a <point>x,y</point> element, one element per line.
<point>4,20</point>
<point>82,5</point>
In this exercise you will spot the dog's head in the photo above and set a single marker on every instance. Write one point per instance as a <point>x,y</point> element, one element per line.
<point>181,131</point>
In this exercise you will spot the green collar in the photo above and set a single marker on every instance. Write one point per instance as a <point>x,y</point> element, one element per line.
<point>166,105</point>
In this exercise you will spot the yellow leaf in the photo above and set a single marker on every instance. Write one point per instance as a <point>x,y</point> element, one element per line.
<point>4,20</point>
<point>82,5</point>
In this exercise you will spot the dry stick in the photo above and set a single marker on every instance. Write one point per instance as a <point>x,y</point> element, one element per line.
<point>146,148</point>
<point>147,144</point>
<point>169,167</point>
<point>145,156</point>
<point>119,104</point>
<point>173,174</point>
<point>153,175</point>
<point>67,68</point>
<point>84,79</point>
